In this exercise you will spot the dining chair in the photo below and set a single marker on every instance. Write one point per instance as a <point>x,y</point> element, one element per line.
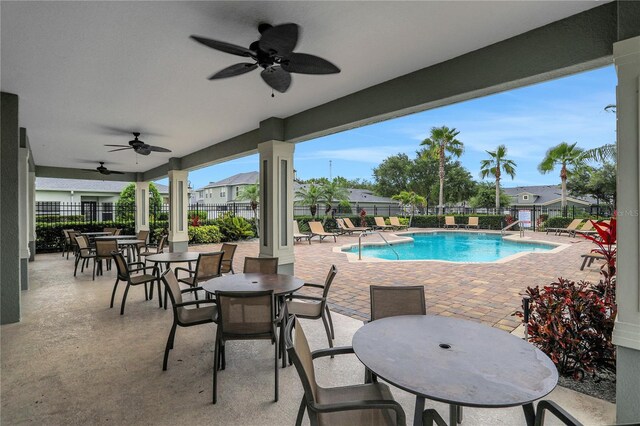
<point>227,260</point>
<point>152,249</point>
<point>83,254</point>
<point>141,235</point>
<point>66,242</point>
<point>207,267</point>
<point>362,404</point>
<point>314,307</point>
<point>182,316</point>
<point>387,301</point>
<point>103,252</point>
<point>125,274</point>
<point>260,265</point>
<point>244,316</point>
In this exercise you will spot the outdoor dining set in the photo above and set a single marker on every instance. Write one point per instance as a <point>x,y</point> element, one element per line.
<point>458,362</point>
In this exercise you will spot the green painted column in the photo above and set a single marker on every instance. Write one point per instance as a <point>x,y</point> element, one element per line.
<point>9,210</point>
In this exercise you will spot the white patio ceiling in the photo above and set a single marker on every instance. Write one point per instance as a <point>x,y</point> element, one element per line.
<point>81,66</point>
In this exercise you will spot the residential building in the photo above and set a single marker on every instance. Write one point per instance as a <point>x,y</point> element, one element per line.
<point>225,190</point>
<point>547,196</point>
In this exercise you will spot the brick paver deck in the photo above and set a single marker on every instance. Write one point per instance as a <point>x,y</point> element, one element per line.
<point>486,292</point>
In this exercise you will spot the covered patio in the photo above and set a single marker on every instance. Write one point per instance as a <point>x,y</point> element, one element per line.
<point>76,76</point>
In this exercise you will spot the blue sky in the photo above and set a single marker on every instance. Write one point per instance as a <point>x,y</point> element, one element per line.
<point>528,121</point>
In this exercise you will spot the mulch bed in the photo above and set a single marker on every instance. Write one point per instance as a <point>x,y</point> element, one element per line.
<point>602,386</point>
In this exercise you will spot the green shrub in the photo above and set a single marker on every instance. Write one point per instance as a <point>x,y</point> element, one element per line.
<point>49,236</point>
<point>201,214</point>
<point>484,221</point>
<point>208,234</point>
<point>162,216</point>
<point>234,228</point>
<point>557,222</point>
<point>51,218</point>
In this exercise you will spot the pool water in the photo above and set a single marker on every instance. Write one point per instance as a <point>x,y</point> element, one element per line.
<point>452,247</point>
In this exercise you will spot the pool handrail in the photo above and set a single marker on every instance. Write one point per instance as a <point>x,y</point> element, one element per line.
<point>510,226</point>
<point>364,233</point>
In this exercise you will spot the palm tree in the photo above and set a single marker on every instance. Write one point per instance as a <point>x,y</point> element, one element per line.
<point>309,196</point>
<point>441,141</point>
<point>495,165</point>
<point>410,199</point>
<point>250,193</point>
<point>333,191</point>
<point>563,154</point>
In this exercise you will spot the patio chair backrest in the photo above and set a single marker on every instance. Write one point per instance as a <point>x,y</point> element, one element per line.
<point>208,266</point>
<point>105,247</point>
<point>142,235</point>
<point>316,227</point>
<point>83,245</point>
<point>393,301</point>
<point>348,222</point>
<point>260,265</point>
<point>327,282</point>
<point>117,231</point>
<point>229,251</point>
<point>300,354</point>
<point>574,224</point>
<point>588,226</point>
<point>473,221</point>
<point>393,220</point>
<point>67,237</point>
<point>245,313</point>
<point>171,283</point>
<point>72,237</point>
<point>449,220</point>
<point>379,221</point>
<point>296,227</point>
<point>111,230</point>
<point>161,243</point>
<point>121,265</point>
<point>341,224</point>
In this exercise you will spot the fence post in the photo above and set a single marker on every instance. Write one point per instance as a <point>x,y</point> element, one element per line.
<point>533,219</point>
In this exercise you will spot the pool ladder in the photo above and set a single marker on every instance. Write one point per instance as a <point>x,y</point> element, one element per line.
<point>364,233</point>
<point>512,225</point>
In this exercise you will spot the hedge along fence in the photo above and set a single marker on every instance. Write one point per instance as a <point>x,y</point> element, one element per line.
<point>49,236</point>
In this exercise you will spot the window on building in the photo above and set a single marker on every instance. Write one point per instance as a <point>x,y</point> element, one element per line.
<point>237,190</point>
<point>525,198</point>
<point>223,193</point>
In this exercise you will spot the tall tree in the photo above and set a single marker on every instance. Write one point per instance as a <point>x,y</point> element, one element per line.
<point>565,155</point>
<point>442,141</point>
<point>459,184</point>
<point>485,196</point>
<point>311,196</point>
<point>333,191</point>
<point>495,165</point>
<point>392,175</point>
<point>599,182</point>
<point>251,193</point>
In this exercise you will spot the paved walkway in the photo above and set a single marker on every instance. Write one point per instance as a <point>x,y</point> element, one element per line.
<point>486,292</point>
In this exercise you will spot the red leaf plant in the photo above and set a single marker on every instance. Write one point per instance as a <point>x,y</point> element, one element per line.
<point>195,220</point>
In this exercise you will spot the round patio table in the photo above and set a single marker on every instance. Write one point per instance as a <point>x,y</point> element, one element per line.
<point>459,362</point>
<point>167,259</point>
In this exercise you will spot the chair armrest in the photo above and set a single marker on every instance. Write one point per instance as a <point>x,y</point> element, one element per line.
<point>301,297</point>
<point>195,302</point>
<point>557,411</point>
<point>153,268</point>
<point>365,404</point>
<point>191,289</point>
<point>188,271</point>
<point>313,285</point>
<point>135,263</point>
<point>339,350</point>
<point>429,416</point>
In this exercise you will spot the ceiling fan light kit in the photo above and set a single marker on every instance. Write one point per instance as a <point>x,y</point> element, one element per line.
<point>274,54</point>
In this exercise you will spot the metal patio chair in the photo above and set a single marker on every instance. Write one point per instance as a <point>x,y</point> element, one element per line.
<point>260,265</point>
<point>125,274</point>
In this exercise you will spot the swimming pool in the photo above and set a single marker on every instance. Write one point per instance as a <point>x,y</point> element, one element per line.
<point>452,247</point>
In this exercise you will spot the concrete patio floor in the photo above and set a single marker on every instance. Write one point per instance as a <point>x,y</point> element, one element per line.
<point>72,360</point>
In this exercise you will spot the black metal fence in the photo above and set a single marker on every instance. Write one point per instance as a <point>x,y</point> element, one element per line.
<point>372,210</point>
<point>55,212</point>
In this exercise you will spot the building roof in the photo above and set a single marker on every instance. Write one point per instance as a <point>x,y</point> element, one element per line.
<point>55,184</point>
<point>358,195</point>
<point>248,178</point>
<point>546,194</point>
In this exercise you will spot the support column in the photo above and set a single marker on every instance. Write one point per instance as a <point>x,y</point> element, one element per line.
<point>626,334</point>
<point>142,206</point>
<point>276,203</point>
<point>23,208</point>
<point>32,212</point>
<point>9,213</point>
<point>178,204</point>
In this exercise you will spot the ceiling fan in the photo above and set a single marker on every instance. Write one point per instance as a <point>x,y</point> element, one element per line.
<point>139,146</point>
<point>103,170</point>
<point>274,53</point>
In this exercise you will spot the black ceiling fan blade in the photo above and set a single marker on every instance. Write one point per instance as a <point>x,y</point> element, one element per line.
<point>281,39</point>
<point>120,149</point>
<point>89,170</point>
<point>156,148</point>
<point>119,131</point>
<point>233,70</point>
<point>113,172</point>
<point>223,46</point>
<point>118,145</point>
<point>303,63</point>
<point>277,78</point>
